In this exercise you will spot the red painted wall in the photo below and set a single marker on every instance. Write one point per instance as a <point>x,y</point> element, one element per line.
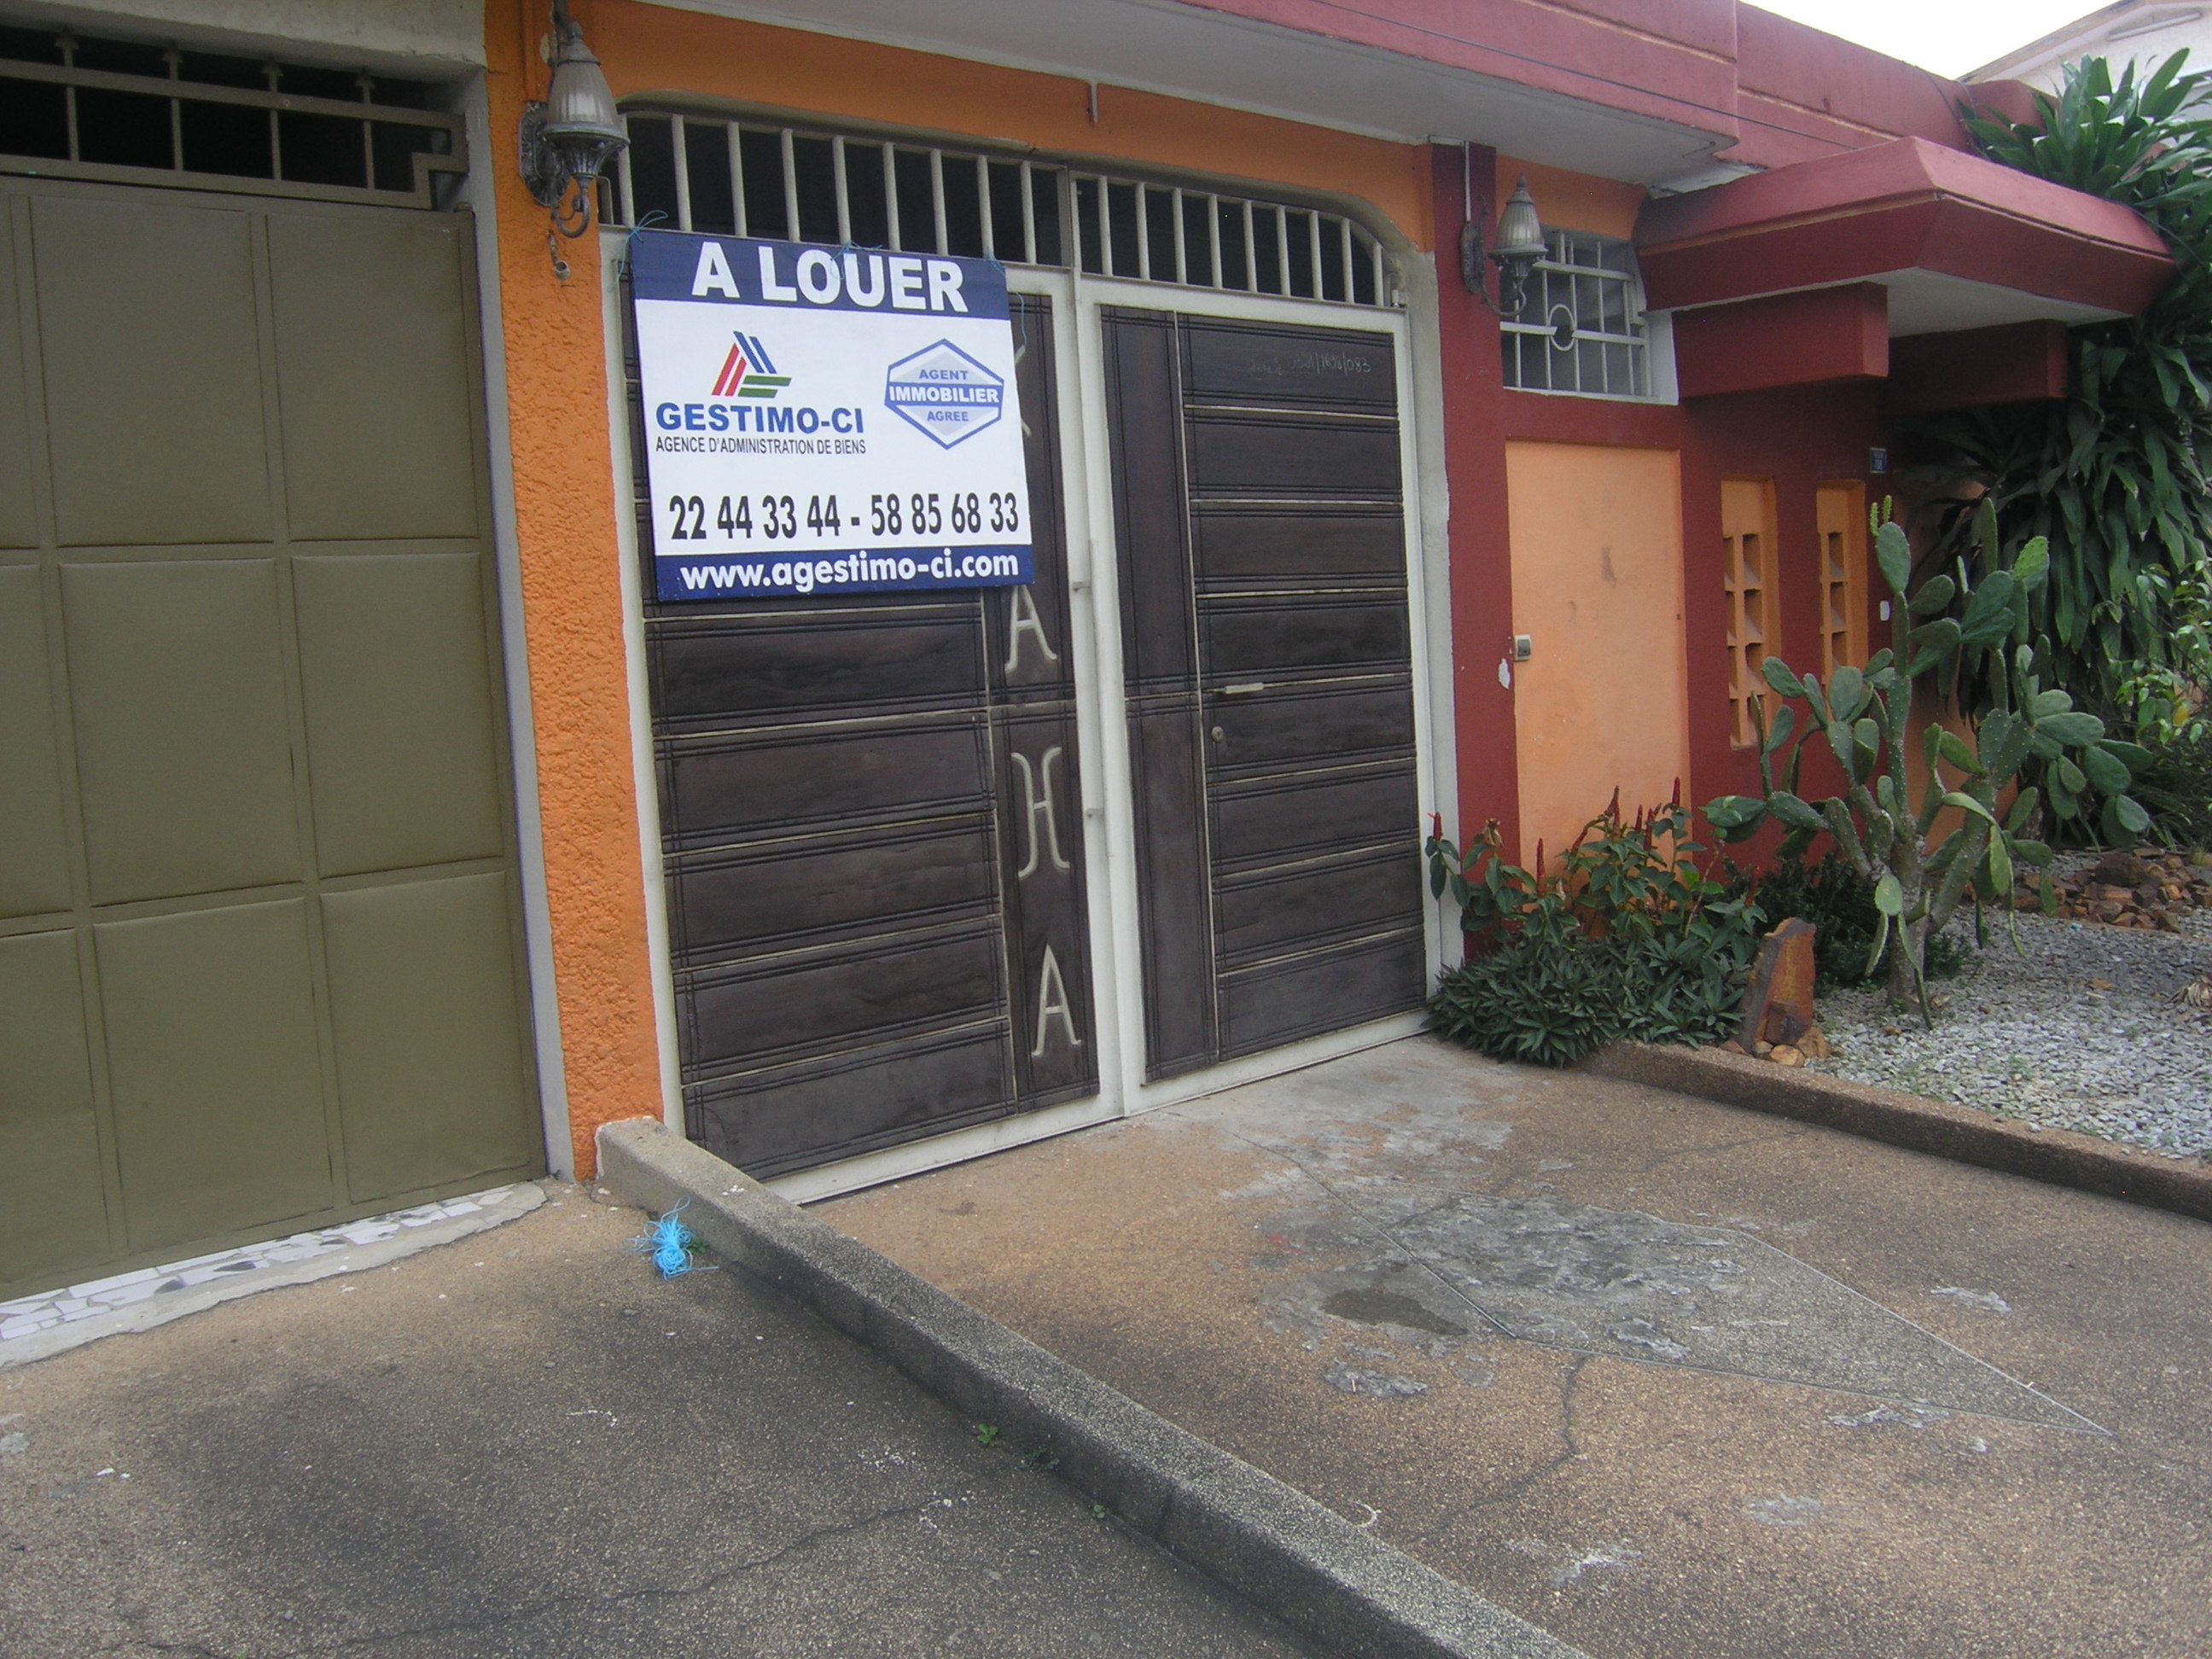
<point>1474,470</point>
<point>1787,339</point>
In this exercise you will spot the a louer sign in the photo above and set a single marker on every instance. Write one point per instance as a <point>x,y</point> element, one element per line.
<point>827,420</point>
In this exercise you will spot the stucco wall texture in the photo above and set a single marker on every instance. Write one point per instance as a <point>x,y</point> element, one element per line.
<point>564,515</point>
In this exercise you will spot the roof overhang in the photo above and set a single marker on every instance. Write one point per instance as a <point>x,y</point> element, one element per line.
<point>1554,83</point>
<point>1958,242</point>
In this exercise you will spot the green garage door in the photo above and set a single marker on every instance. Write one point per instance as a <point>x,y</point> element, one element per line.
<point>259,946</point>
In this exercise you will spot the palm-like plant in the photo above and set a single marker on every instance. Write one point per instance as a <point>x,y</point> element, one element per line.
<point>2115,476</point>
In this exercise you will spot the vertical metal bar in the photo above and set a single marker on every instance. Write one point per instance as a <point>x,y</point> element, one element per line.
<point>983,197</point>
<point>937,196</point>
<point>630,190</point>
<point>270,73</point>
<point>790,189</point>
<point>1144,238</point>
<point>367,133</point>
<point>67,42</point>
<point>891,200</point>
<point>1029,219</point>
<point>1351,291</point>
<point>1382,294</point>
<point>175,60</point>
<point>1283,248</point>
<point>737,138</point>
<point>683,173</point>
<point>1182,238</point>
<point>1251,253</point>
<point>844,193</point>
<point>1213,234</point>
<point>1313,235</point>
<point>1105,227</point>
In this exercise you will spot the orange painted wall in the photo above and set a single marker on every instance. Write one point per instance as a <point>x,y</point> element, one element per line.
<point>1597,582</point>
<point>572,619</point>
<point>661,49</point>
<point>1572,201</point>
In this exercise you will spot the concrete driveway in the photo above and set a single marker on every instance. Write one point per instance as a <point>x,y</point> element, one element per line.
<point>1665,1377</point>
<point>523,1443</point>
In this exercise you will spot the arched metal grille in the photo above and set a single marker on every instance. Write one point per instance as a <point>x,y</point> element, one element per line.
<point>742,178</point>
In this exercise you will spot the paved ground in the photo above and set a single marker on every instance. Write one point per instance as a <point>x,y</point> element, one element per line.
<point>524,1444</point>
<point>1666,1377</point>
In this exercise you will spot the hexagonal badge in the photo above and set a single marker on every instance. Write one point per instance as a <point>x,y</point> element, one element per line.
<point>945,392</point>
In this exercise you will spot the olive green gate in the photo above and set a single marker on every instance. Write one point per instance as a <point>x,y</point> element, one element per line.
<point>260,951</point>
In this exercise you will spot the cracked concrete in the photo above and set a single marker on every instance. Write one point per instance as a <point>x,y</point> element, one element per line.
<point>523,1443</point>
<point>1963,1412</point>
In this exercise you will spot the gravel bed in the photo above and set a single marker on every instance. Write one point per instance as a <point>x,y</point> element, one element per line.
<point>2033,1038</point>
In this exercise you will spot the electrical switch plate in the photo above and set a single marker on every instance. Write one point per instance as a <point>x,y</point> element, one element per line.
<point>1524,646</point>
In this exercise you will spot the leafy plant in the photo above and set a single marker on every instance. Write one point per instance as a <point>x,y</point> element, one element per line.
<point>2175,786</point>
<point>1627,938</point>
<point>986,1434</point>
<point>1839,902</point>
<point>1864,716</point>
<point>2113,477</point>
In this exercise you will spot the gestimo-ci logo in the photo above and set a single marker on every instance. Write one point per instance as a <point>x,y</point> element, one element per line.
<point>747,372</point>
<point>945,392</point>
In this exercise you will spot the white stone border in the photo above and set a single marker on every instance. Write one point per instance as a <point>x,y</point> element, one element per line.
<point>35,1328</point>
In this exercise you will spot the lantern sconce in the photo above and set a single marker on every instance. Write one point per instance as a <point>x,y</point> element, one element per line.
<point>1520,242</point>
<point>565,142</point>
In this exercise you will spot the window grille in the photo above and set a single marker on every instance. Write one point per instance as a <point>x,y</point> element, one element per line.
<point>786,184</point>
<point>1840,518</point>
<point>1754,611</point>
<point>1580,328</point>
<point>72,107</point>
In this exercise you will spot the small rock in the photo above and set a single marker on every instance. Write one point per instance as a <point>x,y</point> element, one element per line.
<point>1783,1054</point>
<point>14,1445</point>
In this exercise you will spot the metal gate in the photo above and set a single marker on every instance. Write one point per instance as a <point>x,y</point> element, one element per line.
<point>1260,517</point>
<point>259,927</point>
<point>872,837</point>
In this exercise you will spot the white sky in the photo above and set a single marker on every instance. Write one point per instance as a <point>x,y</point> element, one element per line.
<point>1947,36</point>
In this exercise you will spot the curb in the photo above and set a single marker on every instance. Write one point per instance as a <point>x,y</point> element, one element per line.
<point>1298,1561</point>
<point>2061,1156</point>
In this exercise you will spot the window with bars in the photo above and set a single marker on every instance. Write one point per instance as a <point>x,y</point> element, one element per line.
<point>1840,518</point>
<point>1580,328</point>
<point>745,178</point>
<point>133,113</point>
<point>1755,609</point>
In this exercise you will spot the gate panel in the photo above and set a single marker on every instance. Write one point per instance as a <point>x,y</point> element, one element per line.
<point>55,1216</point>
<point>1267,651</point>
<point>152,352</point>
<point>871,829</point>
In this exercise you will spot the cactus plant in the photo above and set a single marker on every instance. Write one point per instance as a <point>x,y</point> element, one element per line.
<point>1865,715</point>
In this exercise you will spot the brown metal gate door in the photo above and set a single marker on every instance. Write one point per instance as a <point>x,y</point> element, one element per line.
<point>872,832</point>
<point>1261,523</point>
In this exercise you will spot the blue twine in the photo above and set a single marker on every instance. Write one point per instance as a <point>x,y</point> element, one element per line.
<point>668,1243</point>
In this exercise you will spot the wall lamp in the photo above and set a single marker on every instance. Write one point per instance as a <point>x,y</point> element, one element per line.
<point>1520,242</point>
<point>565,142</point>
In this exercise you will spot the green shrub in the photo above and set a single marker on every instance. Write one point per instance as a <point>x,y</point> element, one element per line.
<point>1838,902</point>
<point>2176,788</point>
<point>1628,938</point>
